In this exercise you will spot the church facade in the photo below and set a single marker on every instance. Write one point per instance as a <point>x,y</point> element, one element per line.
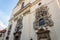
<point>34,20</point>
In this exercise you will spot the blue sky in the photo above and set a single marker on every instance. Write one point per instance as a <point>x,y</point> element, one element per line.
<point>6,7</point>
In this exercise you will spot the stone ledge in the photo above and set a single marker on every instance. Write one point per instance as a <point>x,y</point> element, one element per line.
<point>21,10</point>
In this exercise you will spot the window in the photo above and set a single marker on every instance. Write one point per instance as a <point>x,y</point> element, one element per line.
<point>41,14</point>
<point>7,38</point>
<point>39,4</point>
<point>41,22</point>
<point>22,5</point>
<point>0,34</point>
<point>31,39</point>
<point>17,38</point>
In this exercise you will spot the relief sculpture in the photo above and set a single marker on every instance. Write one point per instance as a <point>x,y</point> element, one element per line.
<point>42,22</point>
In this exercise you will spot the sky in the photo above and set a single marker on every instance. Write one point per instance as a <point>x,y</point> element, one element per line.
<point>6,7</point>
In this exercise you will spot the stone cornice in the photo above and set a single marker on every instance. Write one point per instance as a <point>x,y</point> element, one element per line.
<point>21,10</point>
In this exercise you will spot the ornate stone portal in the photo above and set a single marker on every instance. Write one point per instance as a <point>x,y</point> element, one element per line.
<point>42,21</point>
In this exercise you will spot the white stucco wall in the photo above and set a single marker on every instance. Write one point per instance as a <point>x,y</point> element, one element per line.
<point>55,11</point>
<point>28,31</point>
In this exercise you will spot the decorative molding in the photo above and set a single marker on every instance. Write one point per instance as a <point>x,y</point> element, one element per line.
<point>27,12</point>
<point>35,2</point>
<point>18,29</point>
<point>43,34</point>
<point>25,7</point>
<point>28,5</point>
<point>19,24</point>
<point>15,19</point>
<point>42,12</point>
<point>21,10</point>
<point>43,19</point>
